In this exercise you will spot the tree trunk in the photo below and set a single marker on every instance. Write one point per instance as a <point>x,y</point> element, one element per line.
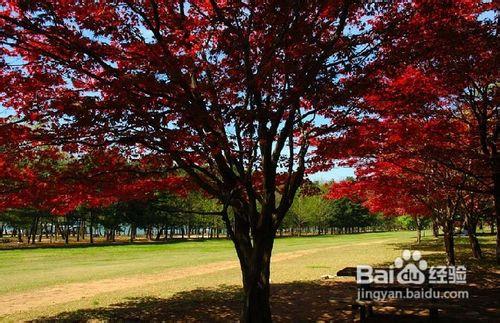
<point>42,228</point>
<point>435,228</point>
<point>419,231</point>
<point>91,229</point>
<point>34,229</point>
<point>449,242</point>
<point>66,235</point>
<point>471,225</point>
<point>475,246</point>
<point>256,307</point>
<point>254,249</point>
<point>78,230</point>
<point>133,232</point>
<point>496,194</point>
<point>19,235</point>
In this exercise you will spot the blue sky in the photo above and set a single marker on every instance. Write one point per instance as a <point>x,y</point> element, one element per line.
<point>336,174</point>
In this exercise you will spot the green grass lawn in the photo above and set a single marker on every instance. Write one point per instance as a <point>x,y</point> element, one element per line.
<point>35,271</point>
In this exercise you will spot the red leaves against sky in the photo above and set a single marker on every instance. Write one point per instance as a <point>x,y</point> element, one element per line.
<point>111,95</point>
<point>430,110</point>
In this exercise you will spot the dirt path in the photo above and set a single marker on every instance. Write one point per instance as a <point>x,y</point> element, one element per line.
<point>74,291</point>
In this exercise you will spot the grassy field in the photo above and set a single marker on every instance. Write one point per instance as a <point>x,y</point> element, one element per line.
<point>43,282</point>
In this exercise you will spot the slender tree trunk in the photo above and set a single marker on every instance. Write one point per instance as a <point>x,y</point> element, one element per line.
<point>471,224</point>
<point>19,235</point>
<point>46,229</point>
<point>34,229</point>
<point>51,230</point>
<point>91,228</point>
<point>475,246</point>
<point>133,232</point>
<point>449,242</point>
<point>158,234</point>
<point>83,227</point>
<point>78,230</point>
<point>419,231</point>
<point>66,235</point>
<point>496,194</point>
<point>40,236</point>
<point>435,227</point>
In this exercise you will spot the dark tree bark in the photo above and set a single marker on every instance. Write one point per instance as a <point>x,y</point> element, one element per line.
<point>66,234</point>
<point>256,306</point>
<point>42,228</point>
<point>91,228</point>
<point>19,235</point>
<point>255,260</point>
<point>449,243</point>
<point>419,229</point>
<point>496,193</point>
<point>34,229</point>
<point>435,227</point>
<point>78,230</point>
<point>471,225</point>
<point>133,232</point>
<point>475,246</point>
<point>165,238</point>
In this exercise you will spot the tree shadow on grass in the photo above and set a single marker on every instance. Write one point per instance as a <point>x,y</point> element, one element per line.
<point>315,301</point>
<point>298,302</point>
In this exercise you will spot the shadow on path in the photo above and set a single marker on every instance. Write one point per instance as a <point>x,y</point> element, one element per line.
<point>320,301</point>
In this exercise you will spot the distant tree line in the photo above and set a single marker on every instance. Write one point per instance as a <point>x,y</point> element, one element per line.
<point>193,216</point>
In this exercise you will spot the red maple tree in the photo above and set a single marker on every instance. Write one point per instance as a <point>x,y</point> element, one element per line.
<point>432,98</point>
<point>234,94</point>
<point>227,92</point>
